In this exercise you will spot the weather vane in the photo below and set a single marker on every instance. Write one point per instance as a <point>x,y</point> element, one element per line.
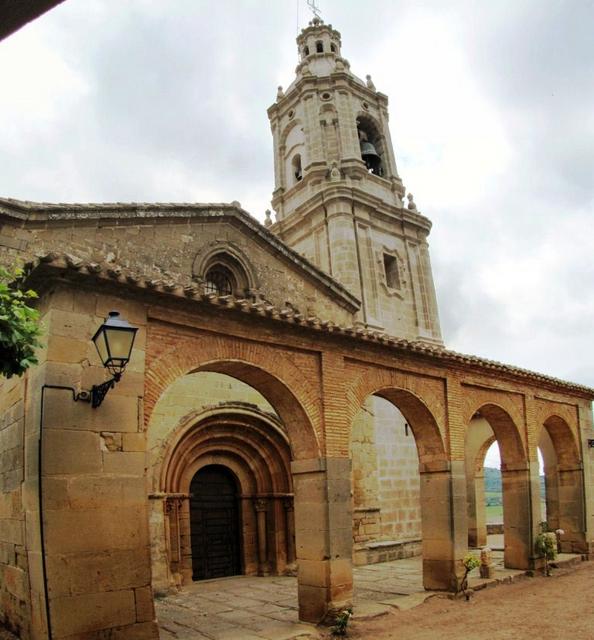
<point>314,8</point>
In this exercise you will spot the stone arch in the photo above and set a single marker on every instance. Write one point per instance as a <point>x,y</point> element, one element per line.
<point>264,455</point>
<point>370,130</point>
<point>563,440</point>
<point>403,391</point>
<point>515,478</point>
<point>267,370</point>
<point>416,410</point>
<point>479,461</point>
<point>507,434</point>
<point>293,145</point>
<point>287,131</point>
<point>232,257</point>
<point>564,482</point>
<point>253,447</point>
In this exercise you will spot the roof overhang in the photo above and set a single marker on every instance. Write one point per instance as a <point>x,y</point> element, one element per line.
<point>48,270</point>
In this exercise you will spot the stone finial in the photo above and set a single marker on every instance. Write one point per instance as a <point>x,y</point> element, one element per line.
<point>268,221</point>
<point>370,84</point>
<point>280,93</point>
<point>411,203</point>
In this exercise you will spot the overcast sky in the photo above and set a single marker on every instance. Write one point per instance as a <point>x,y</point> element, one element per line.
<point>492,118</point>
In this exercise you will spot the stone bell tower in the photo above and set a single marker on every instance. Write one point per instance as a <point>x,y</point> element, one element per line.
<point>338,196</point>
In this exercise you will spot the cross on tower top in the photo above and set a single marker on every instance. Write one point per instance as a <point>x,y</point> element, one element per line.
<point>314,8</point>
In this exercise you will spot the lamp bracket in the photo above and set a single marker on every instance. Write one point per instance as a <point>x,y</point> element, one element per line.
<point>99,391</point>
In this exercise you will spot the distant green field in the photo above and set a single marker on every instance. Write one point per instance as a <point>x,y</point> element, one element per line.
<point>494,514</point>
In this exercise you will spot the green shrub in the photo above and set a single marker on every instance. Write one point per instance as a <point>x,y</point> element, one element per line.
<point>19,325</point>
<point>546,546</point>
<point>341,623</point>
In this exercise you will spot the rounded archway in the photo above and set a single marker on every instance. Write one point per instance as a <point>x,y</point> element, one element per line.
<point>492,426</point>
<point>562,470</point>
<point>245,453</point>
<point>390,415</point>
<point>270,373</point>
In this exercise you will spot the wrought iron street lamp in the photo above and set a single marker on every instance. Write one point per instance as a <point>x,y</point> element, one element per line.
<point>114,341</point>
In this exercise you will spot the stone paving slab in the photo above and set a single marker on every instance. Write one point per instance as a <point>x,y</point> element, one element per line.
<point>254,608</point>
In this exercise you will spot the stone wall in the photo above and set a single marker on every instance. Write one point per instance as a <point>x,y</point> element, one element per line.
<point>386,485</point>
<point>14,591</point>
<point>174,248</point>
<point>93,474</point>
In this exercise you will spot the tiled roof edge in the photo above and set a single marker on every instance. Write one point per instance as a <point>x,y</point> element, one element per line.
<point>117,274</point>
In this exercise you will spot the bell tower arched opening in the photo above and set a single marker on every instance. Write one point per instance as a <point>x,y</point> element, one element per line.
<point>371,146</point>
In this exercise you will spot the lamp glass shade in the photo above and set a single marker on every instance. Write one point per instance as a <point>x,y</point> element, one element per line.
<point>101,345</point>
<point>114,340</point>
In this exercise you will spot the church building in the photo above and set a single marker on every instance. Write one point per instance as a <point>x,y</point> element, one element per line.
<point>288,406</point>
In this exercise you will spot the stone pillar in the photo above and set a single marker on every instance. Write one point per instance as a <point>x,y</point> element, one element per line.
<point>261,506</point>
<point>477,521</point>
<point>443,512</point>
<point>586,433</point>
<point>94,505</point>
<point>323,536</point>
<point>552,496</point>
<point>290,529</point>
<point>571,510</point>
<point>520,501</point>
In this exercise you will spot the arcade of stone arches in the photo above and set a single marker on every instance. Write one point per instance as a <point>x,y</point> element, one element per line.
<point>264,459</point>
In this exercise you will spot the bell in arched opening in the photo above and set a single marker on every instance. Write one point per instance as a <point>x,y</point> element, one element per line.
<point>370,156</point>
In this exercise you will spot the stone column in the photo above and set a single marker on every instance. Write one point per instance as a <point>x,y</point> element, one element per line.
<point>290,529</point>
<point>551,474</point>
<point>586,433</point>
<point>444,524</point>
<point>571,510</point>
<point>323,536</point>
<point>261,506</point>
<point>477,523</point>
<point>518,507</point>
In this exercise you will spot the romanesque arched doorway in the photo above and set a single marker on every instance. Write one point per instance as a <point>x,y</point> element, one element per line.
<point>212,420</point>
<point>214,523</point>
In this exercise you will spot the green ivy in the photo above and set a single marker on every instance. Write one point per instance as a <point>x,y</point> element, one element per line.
<point>19,324</point>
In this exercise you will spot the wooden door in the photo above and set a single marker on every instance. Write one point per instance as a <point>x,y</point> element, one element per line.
<point>214,524</point>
